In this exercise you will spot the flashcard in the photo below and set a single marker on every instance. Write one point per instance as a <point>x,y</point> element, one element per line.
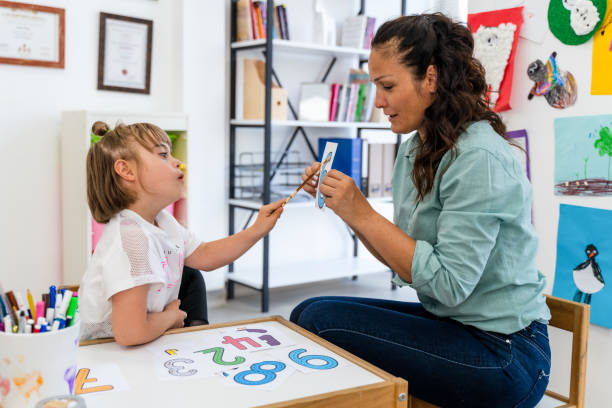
<point>328,158</point>
<point>308,359</point>
<point>100,378</point>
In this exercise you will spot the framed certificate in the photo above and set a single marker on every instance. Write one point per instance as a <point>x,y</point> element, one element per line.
<point>124,54</point>
<point>31,35</point>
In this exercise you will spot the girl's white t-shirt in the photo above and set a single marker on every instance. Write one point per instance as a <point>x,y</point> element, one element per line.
<point>133,252</point>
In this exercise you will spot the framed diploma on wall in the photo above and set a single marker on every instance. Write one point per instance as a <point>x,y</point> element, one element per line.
<point>124,54</point>
<point>31,35</point>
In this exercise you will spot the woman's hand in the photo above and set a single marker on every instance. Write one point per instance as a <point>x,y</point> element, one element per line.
<point>344,198</point>
<point>311,186</point>
<point>178,316</point>
<point>267,217</point>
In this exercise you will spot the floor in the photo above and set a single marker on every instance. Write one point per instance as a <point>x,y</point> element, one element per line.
<point>247,302</point>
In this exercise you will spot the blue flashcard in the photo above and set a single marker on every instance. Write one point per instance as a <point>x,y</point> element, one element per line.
<point>584,259</point>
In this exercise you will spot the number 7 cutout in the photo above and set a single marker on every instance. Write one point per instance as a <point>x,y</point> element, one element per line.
<point>328,153</point>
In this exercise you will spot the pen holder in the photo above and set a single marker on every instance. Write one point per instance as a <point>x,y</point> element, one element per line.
<point>37,366</point>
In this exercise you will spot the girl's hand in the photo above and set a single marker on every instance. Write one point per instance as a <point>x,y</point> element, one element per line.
<point>178,315</point>
<point>344,198</point>
<point>267,217</point>
<point>311,186</point>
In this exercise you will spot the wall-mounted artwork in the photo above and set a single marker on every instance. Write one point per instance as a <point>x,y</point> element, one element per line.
<point>573,22</point>
<point>583,155</point>
<point>495,38</point>
<point>520,143</point>
<point>601,80</point>
<point>584,260</point>
<point>558,87</point>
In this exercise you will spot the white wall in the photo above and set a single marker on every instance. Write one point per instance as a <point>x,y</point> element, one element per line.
<point>31,102</point>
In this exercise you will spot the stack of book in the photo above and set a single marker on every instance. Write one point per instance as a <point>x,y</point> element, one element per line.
<point>358,31</point>
<point>352,101</point>
<point>251,21</point>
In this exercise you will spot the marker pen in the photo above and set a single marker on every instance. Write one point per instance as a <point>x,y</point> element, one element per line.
<point>22,321</point>
<point>20,304</point>
<point>52,294</point>
<point>40,309</point>
<point>31,304</point>
<point>28,329</point>
<point>1,326</point>
<point>43,328</point>
<point>61,316</point>
<point>58,304</point>
<point>72,308</point>
<point>50,314</point>
<point>55,326</point>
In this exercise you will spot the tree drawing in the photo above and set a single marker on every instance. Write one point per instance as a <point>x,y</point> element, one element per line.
<point>604,146</point>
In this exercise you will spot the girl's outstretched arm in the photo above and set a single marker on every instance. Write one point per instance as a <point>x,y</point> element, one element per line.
<point>215,254</point>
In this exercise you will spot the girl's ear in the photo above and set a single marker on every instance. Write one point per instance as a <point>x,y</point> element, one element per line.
<point>431,79</point>
<point>125,170</point>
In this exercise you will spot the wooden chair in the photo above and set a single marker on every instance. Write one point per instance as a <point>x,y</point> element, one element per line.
<point>572,317</point>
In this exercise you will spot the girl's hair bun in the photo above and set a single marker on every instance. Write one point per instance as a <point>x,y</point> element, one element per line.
<point>100,128</point>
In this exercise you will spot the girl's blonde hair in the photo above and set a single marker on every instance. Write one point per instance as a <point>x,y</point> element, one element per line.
<point>106,194</point>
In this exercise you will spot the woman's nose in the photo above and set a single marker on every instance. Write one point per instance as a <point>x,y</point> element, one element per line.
<point>379,100</point>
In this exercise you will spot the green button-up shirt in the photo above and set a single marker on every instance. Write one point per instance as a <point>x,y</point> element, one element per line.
<point>475,244</point>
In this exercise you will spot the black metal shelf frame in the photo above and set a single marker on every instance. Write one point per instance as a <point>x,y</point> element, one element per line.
<point>269,168</point>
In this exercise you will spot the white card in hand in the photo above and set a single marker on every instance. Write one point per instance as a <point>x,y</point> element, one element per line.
<point>329,152</point>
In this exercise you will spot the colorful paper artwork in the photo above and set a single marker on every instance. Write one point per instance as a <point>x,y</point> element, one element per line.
<point>573,22</point>
<point>558,87</point>
<point>583,155</point>
<point>584,259</point>
<point>601,80</point>
<point>534,21</point>
<point>495,38</point>
<point>520,145</point>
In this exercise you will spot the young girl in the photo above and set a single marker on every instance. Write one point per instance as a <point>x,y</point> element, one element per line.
<point>131,287</point>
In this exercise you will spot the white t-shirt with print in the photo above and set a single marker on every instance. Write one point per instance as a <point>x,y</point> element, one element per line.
<point>133,252</point>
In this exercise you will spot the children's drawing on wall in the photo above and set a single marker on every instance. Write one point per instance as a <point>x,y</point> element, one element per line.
<point>574,22</point>
<point>584,259</point>
<point>495,38</point>
<point>601,80</point>
<point>520,144</point>
<point>558,87</point>
<point>587,277</point>
<point>583,155</point>
<point>534,21</point>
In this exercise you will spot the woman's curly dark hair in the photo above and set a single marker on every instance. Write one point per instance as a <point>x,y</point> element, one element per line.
<point>461,95</point>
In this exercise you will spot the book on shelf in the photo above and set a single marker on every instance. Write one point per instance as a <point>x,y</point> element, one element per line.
<point>377,162</point>
<point>358,31</point>
<point>251,20</point>
<point>348,156</point>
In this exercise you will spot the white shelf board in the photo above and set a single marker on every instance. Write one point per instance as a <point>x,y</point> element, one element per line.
<point>309,124</point>
<point>304,47</point>
<point>298,204</point>
<point>287,274</point>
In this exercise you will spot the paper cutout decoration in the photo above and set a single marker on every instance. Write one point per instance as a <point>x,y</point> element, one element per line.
<point>584,259</point>
<point>495,38</point>
<point>574,22</point>
<point>601,80</point>
<point>583,156</point>
<point>534,21</point>
<point>558,87</point>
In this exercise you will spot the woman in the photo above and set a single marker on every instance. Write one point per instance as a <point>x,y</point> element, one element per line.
<point>462,235</point>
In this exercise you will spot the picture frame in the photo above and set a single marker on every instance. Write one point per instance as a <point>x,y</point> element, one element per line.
<point>124,54</point>
<point>32,35</point>
<point>520,139</point>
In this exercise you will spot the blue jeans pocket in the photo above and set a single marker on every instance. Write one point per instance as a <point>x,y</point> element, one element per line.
<point>535,393</point>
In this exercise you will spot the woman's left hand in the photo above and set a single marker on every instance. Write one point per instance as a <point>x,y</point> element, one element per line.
<point>344,198</point>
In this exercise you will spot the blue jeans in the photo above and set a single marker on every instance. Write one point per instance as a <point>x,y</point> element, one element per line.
<point>445,362</point>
